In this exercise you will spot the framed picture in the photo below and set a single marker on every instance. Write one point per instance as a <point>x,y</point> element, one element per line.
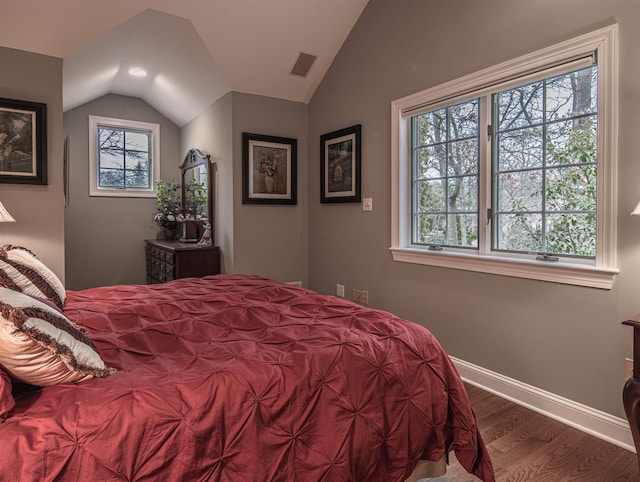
<point>269,169</point>
<point>340,166</point>
<point>23,142</point>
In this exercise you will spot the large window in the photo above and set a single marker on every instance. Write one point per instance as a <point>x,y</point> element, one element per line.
<point>124,157</point>
<point>512,170</point>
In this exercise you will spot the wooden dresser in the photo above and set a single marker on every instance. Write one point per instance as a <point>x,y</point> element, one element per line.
<point>168,260</point>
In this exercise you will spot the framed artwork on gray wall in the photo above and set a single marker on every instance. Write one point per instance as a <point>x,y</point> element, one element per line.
<point>23,142</point>
<point>269,169</point>
<point>340,166</point>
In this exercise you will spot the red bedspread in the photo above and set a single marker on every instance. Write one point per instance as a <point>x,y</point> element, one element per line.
<point>235,378</point>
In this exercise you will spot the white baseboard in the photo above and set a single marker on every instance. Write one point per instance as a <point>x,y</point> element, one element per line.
<point>594,422</point>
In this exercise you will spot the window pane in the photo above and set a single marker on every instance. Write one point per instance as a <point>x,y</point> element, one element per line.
<point>571,189</point>
<point>520,149</point>
<point>111,160</point>
<point>431,228</point>
<point>519,107</point>
<point>573,141</point>
<point>138,161</point>
<point>466,230</point>
<point>432,128</point>
<point>137,178</point>
<point>111,178</point>
<point>463,157</point>
<point>463,120</point>
<point>520,232</point>
<point>520,191</point>
<point>110,139</point>
<point>431,161</point>
<point>571,233</point>
<point>573,94</point>
<point>137,141</point>
<point>463,194</point>
<point>431,196</point>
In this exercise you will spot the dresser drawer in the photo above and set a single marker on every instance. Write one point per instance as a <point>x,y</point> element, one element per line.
<point>169,260</point>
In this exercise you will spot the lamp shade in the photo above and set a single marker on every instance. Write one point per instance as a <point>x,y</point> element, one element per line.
<point>5,217</point>
<point>636,210</point>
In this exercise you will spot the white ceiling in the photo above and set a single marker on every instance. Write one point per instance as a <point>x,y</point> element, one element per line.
<point>194,51</point>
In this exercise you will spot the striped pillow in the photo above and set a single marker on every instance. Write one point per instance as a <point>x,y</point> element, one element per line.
<point>22,271</point>
<point>40,346</point>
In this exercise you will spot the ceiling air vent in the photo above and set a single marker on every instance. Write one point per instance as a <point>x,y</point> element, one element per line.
<point>303,64</point>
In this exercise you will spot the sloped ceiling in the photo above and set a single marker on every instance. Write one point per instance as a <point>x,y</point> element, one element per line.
<point>194,51</point>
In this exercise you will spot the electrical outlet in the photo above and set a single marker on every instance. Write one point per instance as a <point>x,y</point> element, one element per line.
<point>356,295</point>
<point>340,290</point>
<point>365,297</point>
<point>628,368</point>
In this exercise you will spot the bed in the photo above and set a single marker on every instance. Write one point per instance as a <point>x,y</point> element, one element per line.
<point>229,378</point>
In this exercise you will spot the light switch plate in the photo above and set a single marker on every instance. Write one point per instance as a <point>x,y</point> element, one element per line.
<point>367,204</point>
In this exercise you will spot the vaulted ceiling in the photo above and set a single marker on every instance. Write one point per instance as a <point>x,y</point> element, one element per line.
<point>193,51</point>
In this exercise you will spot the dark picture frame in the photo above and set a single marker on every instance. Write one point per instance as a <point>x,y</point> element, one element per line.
<point>340,166</point>
<point>23,142</point>
<point>269,169</point>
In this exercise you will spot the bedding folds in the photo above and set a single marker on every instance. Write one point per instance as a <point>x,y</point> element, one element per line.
<point>240,378</point>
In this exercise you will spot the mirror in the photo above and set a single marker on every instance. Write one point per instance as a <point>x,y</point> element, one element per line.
<point>196,194</point>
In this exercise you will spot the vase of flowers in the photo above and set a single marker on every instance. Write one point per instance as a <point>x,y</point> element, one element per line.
<point>269,169</point>
<point>169,207</point>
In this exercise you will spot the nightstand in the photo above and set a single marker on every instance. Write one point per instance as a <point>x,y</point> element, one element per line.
<point>169,260</point>
<point>631,392</point>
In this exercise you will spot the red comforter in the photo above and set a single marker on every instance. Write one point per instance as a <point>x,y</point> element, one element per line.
<point>235,378</point>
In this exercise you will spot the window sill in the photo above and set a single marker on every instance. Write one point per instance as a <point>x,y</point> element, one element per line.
<point>579,275</point>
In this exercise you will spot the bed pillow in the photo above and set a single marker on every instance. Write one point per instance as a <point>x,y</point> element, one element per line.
<point>21,270</point>
<point>40,346</point>
<point>6,398</point>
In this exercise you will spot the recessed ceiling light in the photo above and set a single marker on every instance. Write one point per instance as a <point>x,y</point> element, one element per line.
<point>137,72</point>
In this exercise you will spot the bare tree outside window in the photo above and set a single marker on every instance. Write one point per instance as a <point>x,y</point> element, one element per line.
<point>544,147</point>
<point>545,153</point>
<point>446,176</point>
<point>124,158</point>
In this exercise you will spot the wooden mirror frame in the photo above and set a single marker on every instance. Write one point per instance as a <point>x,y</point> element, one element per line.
<point>193,159</point>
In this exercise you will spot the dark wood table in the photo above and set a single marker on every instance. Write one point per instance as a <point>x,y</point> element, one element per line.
<point>631,391</point>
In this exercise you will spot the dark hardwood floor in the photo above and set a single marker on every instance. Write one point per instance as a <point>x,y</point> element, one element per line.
<point>525,445</point>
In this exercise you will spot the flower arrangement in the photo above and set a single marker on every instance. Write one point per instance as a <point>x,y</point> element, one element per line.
<point>169,205</point>
<point>269,166</point>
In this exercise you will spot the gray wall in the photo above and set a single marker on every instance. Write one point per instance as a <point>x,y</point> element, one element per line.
<point>270,240</point>
<point>564,339</point>
<point>211,133</point>
<point>104,236</point>
<point>38,210</point>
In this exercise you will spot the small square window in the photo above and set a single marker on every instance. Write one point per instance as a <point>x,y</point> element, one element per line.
<point>124,157</point>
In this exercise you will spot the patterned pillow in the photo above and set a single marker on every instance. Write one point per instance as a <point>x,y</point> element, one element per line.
<point>40,346</point>
<point>6,398</point>
<point>21,270</point>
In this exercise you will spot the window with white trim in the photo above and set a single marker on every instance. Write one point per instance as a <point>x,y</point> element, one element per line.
<point>124,157</point>
<point>512,170</point>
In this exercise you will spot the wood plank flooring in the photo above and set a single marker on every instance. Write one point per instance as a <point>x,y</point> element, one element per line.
<point>525,445</point>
